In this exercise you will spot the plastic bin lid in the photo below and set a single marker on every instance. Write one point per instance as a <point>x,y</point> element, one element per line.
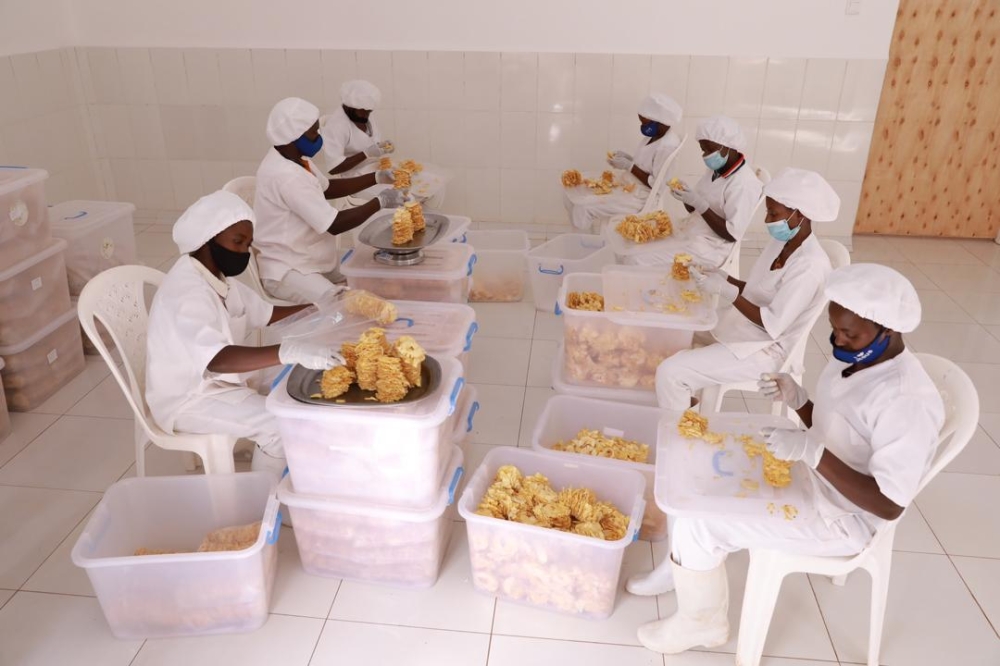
<point>569,247</point>
<point>442,261</point>
<point>498,240</point>
<point>14,178</point>
<point>44,331</point>
<point>624,247</point>
<point>645,296</point>
<point>55,247</point>
<point>75,218</point>
<point>446,497</point>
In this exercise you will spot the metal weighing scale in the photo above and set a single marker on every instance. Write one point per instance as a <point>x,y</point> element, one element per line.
<point>303,386</point>
<point>378,234</point>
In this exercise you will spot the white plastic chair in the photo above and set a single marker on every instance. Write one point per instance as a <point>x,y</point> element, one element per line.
<point>768,568</point>
<point>731,265</point>
<point>116,298</point>
<point>711,397</point>
<point>245,187</point>
<point>658,190</point>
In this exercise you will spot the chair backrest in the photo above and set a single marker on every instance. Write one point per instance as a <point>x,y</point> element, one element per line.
<point>763,175</point>
<point>658,189</point>
<point>117,299</point>
<point>245,187</point>
<point>961,407</point>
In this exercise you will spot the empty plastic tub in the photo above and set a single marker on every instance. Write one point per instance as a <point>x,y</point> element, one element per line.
<point>570,253</point>
<point>24,220</point>
<point>444,275</point>
<point>100,235</point>
<point>189,593</point>
<point>4,415</point>
<point>501,266</point>
<point>390,454</point>
<point>370,542</point>
<point>41,365</point>
<point>543,567</point>
<point>562,385</point>
<point>33,293</point>
<point>564,416</point>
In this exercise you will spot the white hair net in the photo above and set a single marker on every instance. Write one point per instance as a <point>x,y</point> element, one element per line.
<point>723,130</point>
<point>805,191</point>
<point>661,108</point>
<point>207,217</point>
<point>360,95</point>
<point>877,293</point>
<point>290,118</point>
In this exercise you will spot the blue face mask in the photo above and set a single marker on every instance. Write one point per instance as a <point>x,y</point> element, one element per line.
<point>715,161</point>
<point>780,231</point>
<point>867,354</point>
<point>650,128</point>
<point>307,147</point>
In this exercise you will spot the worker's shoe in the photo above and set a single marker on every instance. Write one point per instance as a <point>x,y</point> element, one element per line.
<point>657,581</point>
<point>701,619</point>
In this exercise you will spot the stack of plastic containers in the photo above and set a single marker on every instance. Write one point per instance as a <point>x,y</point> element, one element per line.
<point>563,255</point>
<point>369,485</point>
<point>4,416</point>
<point>501,266</point>
<point>100,235</point>
<point>39,337</point>
<point>444,275</point>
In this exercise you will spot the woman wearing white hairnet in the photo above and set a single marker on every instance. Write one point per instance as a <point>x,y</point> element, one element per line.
<point>659,115</point>
<point>773,308</point>
<point>196,364</point>
<point>873,428</point>
<point>721,203</point>
<point>350,135</point>
<point>296,224</point>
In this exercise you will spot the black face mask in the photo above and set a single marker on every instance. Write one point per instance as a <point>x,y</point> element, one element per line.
<point>228,262</point>
<point>354,116</point>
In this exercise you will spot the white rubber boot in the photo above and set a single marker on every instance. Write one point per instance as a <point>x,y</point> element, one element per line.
<point>657,581</point>
<point>701,619</point>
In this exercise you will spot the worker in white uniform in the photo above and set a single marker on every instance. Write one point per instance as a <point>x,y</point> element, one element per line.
<point>659,116</point>
<point>773,308</point>
<point>196,365</point>
<point>296,224</point>
<point>350,135</point>
<point>721,204</point>
<point>872,431</point>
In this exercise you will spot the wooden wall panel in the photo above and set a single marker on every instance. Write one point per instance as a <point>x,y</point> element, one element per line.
<point>934,165</point>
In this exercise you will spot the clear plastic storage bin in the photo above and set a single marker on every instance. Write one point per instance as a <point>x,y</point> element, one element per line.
<point>100,235</point>
<point>4,415</point>
<point>468,407</point>
<point>32,293</point>
<point>189,593</point>
<point>390,454</point>
<point>370,542</point>
<point>622,349</point>
<point>444,275</point>
<point>41,365</point>
<point>24,219</point>
<point>543,567</point>
<point>563,386</point>
<point>564,416</point>
<point>570,253</point>
<point>501,266</point>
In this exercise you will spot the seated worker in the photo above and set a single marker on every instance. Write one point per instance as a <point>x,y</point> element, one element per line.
<point>295,223</point>
<point>721,204</point>
<point>773,308</point>
<point>872,431</point>
<point>350,135</point>
<point>658,116</point>
<point>196,361</point>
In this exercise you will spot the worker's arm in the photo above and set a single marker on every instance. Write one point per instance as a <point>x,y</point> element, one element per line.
<point>805,413</point>
<point>281,311</point>
<point>746,308</point>
<point>344,187</point>
<point>353,217</point>
<point>643,176</point>
<point>348,163</point>
<point>859,488</point>
<point>716,223</point>
<point>236,359</point>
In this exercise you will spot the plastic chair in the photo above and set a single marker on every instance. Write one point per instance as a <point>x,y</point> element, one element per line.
<point>711,397</point>
<point>245,187</point>
<point>116,298</point>
<point>731,265</point>
<point>769,567</point>
<point>659,187</point>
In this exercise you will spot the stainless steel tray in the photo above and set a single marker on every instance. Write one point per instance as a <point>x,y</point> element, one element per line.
<point>378,233</point>
<point>303,384</point>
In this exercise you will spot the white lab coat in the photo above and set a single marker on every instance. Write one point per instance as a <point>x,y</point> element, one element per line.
<point>788,298</point>
<point>734,197</point>
<point>649,157</point>
<point>883,422</point>
<point>342,139</point>
<point>293,216</point>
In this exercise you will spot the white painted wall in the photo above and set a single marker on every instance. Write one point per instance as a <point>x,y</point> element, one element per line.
<point>775,28</point>
<point>27,26</point>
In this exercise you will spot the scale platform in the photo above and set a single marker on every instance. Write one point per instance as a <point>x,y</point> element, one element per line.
<point>378,234</point>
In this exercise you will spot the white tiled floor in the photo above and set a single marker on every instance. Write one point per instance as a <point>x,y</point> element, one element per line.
<point>944,605</point>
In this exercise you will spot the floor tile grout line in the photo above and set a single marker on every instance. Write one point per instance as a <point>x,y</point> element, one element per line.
<point>826,626</point>
<point>62,490</point>
<point>53,552</point>
<point>975,599</point>
<point>32,441</point>
<point>136,655</point>
<point>493,622</point>
<point>408,626</point>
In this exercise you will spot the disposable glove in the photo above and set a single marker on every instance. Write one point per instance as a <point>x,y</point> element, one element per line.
<point>780,386</point>
<point>309,355</point>
<point>391,198</point>
<point>621,160</point>
<point>792,445</point>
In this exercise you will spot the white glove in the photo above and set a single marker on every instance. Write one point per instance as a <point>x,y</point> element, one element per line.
<point>387,147</point>
<point>714,281</point>
<point>374,150</point>
<point>621,160</point>
<point>309,355</point>
<point>391,198</point>
<point>792,445</point>
<point>693,199</point>
<point>678,191</point>
<point>384,177</point>
<point>781,386</point>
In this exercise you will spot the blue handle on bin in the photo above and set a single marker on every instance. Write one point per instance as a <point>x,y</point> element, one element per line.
<point>558,309</point>
<point>463,239</point>
<point>473,327</point>
<point>549,271</point>
<point>459,383</point>
<point>472,262</point>
<point>454,484</point>
<point>281,375</point>
<point>82,213</point>
<point>472,416</point>
<point>275,532</point>
<point>12,166</point>
<point>409,322</point>
<point>715,464</point>
<point>347,256</point>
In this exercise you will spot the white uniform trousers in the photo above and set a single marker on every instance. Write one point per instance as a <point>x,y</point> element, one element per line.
<point>244,419</point>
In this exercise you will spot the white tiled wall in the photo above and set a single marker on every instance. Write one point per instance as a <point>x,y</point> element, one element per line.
<point>170,124</point>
